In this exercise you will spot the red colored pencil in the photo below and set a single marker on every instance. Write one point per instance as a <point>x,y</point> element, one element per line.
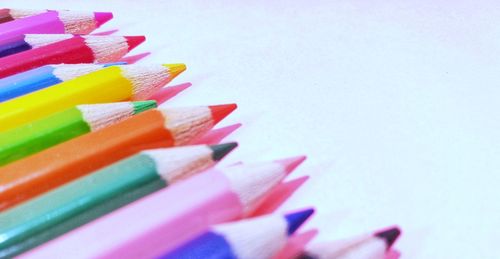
<point>79,49</point>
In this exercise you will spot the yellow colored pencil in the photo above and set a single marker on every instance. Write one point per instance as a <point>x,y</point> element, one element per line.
<point>112,84</point>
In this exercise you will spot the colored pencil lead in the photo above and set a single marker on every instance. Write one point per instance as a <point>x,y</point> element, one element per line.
<point>53,167</point>
<point>115,83</point>
<point>43,77</point>
<point>76,203</point>
<point>166,221</point>
<point>389,235</point>
<point>260,237</point>
<point>219,112</point>
<point>292,163</point>
<point>102,18</point>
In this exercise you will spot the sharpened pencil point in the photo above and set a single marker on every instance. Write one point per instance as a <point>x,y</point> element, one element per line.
<point>291,163</point>
<point>220,112</point>
<point>296,219</point>
<point>143,106</point>
<point>102,17</point>
<point>389,235</point>
<point>175,69</point>
<point>221,150</point>
<point>134,41</point>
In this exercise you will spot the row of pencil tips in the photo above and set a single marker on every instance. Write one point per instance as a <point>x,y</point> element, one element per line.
<point>92,165</point>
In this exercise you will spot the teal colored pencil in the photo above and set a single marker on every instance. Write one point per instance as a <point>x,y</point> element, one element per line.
<point>61,210</point>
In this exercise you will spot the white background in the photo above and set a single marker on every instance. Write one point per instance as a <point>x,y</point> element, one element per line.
<point>396,103</point>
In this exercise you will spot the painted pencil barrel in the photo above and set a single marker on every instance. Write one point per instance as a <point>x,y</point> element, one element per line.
<point>75,51</point>
<point>43,77</point>
<point>108,195</point>
<point>13,45</point>
<point>101,192</point>
<point>50,168</point>
<point>111,84</point>
<point>33,137</point>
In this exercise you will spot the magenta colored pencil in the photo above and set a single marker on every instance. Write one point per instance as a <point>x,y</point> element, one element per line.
<point>55,22</point>
<point>158,223</point>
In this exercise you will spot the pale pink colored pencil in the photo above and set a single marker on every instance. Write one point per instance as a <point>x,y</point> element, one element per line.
<point>156,224</point>
<point>70,22</point>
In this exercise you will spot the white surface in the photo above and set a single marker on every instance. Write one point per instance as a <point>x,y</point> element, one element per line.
<point>396,104</point>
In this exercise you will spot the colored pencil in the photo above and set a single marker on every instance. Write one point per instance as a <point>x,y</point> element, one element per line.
<point>77,49</point>
<point>26,42</point>
<point>76,203</point>
<point>163,220</point>
<point>111,84</point>
<point>43,77</point>
<point>62,126</point>
<point>50,168</point>
<point>10,14</point>
<point>370,246</point>
<point>260,237</point>
<point>62,21</point>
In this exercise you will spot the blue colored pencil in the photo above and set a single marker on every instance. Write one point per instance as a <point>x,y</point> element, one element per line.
<point>25,42</point>
<point>260,237</point>
<point>42,77</point>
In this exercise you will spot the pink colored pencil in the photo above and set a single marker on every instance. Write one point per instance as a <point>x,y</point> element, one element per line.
<point>158,223</point>
<point>55,22</point>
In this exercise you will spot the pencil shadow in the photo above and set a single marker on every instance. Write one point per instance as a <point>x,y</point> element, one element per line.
<point>135,58</point>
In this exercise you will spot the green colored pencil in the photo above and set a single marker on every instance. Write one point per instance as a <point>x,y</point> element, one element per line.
<point>63,209</point>
<point>62,126</point>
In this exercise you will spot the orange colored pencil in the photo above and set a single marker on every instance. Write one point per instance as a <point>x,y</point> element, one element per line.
<point>163,127</point>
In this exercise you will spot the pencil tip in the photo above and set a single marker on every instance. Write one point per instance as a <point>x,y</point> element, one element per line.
<point>175,69</point>
<point>291,163</point>
<point>102,17</point>
<point>221,150</point>
<point>296,219</point>
<point>219,112</point>
<point>141,106</point>
<point>134,41</point>
<point>389,235</point>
